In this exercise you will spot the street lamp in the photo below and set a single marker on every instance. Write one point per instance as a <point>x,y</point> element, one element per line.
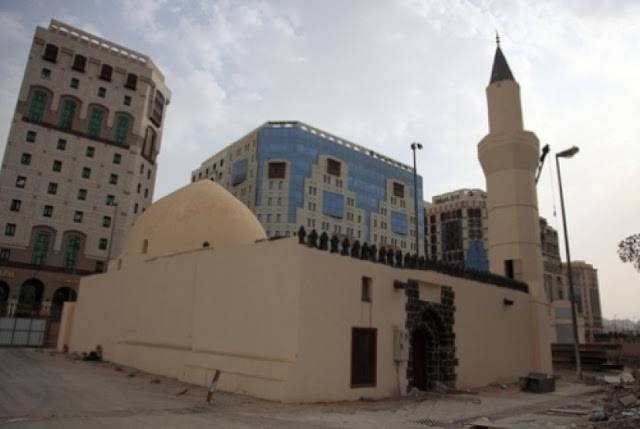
<point>416,146</point>
<point>576,339</point>
<point>113,228</point>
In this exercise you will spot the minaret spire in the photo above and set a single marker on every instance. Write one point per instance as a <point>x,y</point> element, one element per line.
<point>500,70</point>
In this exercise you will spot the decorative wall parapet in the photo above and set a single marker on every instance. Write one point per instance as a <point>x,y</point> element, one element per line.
<point>399,260</point>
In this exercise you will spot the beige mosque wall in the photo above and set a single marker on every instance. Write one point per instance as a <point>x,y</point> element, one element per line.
<point>276,318</point>
<point>330,306</point>
<point>489,334</point>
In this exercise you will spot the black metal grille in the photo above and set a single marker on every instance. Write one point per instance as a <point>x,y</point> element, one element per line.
<point>438,424</point>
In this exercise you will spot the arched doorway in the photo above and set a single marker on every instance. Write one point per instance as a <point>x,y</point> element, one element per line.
<point>432,359</point>
<point>4,297</point>
<point>426,351</point>
<point>30,299</point>
<point>60,296</point>
<point>420,363</point>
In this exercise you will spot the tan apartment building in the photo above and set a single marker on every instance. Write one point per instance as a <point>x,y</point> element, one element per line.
<point>79,166</point>
<point>456,228</point>
<point>585,283</point>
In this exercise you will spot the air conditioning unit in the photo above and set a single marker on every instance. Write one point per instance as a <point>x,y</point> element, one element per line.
<point>401,344</point>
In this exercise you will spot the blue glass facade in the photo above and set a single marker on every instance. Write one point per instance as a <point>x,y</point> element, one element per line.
<point>239,171</point>
<point>333,204</point>
<point>301,148</point>
<point>477,256</point>
<point>399,223</point>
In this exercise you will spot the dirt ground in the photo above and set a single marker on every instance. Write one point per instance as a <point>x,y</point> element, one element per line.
<point>45,389</point>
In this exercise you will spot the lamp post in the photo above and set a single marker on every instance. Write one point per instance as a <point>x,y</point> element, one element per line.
<point>416,146</point>
<point>113,228</point>
<point>576,339</point>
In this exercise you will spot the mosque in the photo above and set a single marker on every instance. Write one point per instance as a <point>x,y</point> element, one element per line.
<point>199,288</point>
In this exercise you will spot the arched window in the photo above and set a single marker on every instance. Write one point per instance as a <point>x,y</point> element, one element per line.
<point>38,103</point>
<point>40,248</point>
<point>95,122</point>
<point>122,129</point>
<point>30,298</point>
<point>71,251</point>
<point>67,114</point>
<point>4,297</point>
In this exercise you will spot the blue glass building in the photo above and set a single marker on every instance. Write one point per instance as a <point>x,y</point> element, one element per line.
<point>291,174</point>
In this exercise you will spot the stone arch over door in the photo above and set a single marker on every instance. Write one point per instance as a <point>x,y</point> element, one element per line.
<point>4,298</point>
<point>432,358</point>
<point>30,300</point>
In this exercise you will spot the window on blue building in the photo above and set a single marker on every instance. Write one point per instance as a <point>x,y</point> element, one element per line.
<point>333,204</point>
<point>399,224</point>
<point>333,167</point>
<point>277,170</point>
<point>239,171</point>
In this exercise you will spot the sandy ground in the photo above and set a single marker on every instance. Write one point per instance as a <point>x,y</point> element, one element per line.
<point>44,389</point>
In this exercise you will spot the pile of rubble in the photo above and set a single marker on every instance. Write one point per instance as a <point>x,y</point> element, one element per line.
<point>621,406</point>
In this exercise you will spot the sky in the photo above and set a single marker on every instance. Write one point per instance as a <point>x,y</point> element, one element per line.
<point>384,74</point>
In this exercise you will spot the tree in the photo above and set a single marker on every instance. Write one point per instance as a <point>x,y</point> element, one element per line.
<point>629,250</point>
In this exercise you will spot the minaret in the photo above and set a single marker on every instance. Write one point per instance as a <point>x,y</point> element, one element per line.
<point>509,157</point>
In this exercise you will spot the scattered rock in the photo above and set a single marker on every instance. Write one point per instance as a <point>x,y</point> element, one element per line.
<point>626,378</point>
<point>628,400</point>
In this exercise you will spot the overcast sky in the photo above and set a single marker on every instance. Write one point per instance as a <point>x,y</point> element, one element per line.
<point>384,74</point>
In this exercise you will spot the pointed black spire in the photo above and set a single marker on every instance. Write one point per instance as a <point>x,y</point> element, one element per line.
<point>500,70</point>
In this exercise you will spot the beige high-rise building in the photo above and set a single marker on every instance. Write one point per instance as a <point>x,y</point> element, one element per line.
<point>585,283</point>
<point>79,165</point>
<point>554,286</point>
<point>456,228</point>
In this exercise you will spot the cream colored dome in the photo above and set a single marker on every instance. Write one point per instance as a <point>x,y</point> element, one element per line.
<point>198,215</point>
